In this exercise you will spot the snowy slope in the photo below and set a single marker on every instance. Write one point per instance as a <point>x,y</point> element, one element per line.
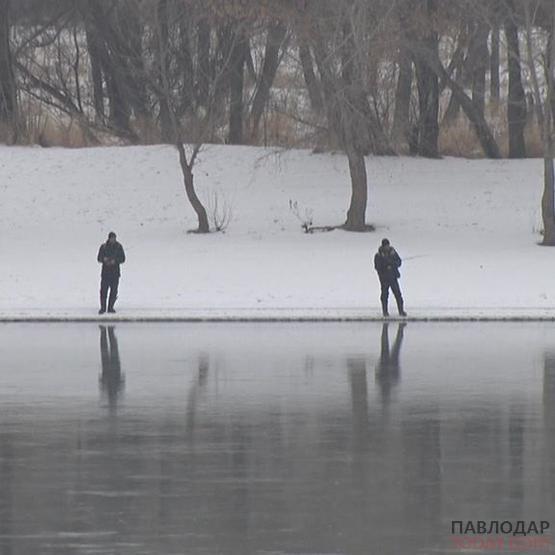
<point>467,231</point>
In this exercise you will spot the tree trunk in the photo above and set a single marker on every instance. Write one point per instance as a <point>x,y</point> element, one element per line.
<point>476,117</point>
<point>166,126</point>
<point>8,97</point>
<point>120,29</point>
<point>93,50</point>
<point>203,54</point>
<point>186,66</point>
<point>188,180</point>
<point>274,40</point>
<point>548,198</point>
<point>342,103</point>
<point>516,101</point>
<point>119,109</point>
<point>120,112</point>
<point>548,202</point>
<point>401,117</point>
<point>131,58</point>
<point>236,83</point>
<point>485,136</point>
<point>361,125</point>
<point>479,67</point>
<point>356,215</point>
<point>453,110</point>
<point>312,85</point>
<point>494,64</point>
<point>428,89</point>
<point>428,104</point>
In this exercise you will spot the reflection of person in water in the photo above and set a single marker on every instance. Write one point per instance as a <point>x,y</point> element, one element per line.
<point>197,388</point>
<point>111,380</point>
<point>388,370</point>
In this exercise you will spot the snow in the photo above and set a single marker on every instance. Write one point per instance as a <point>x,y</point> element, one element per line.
<point>466,229</point>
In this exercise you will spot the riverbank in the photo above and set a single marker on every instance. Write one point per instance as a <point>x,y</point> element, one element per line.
<point>280,315</point>
<point>467,230</point>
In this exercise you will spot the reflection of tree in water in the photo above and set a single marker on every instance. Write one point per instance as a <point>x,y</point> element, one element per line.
<point>205,466</point>
<point>359,400</point>
<point>111,379</point>
<point>197,388</point>
<point>549,390</point>
<point>6,494</point>
<point>549,422</point>
<point>388,370</point>
<point>421,473</point>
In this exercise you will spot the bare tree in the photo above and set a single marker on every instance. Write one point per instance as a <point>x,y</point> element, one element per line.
<point>8,98</point>
<point>313,86</point>
<point>516,101</point>
<point>275,40</point>
<point>191,124</point>
<point>401,119</point>
<point>427,40</point>
<point>337,33</point>
<point>237,42</point>
<point>494,60</point>
<point>544,103</point>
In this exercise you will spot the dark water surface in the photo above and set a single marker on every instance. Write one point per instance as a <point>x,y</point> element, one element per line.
<point>271,438</point>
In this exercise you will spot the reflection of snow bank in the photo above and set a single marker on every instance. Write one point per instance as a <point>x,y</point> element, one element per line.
<point>249,366</point>
<point>465,229</point>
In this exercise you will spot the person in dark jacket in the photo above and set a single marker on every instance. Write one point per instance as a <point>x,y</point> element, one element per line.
<point>387,263</point>
<point>110,255</point>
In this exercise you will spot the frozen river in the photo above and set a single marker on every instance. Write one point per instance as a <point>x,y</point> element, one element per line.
<point>271,438</point>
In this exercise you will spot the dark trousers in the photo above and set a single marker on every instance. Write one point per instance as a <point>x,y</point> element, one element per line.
<point>111,283</point>
<point>392,283</point>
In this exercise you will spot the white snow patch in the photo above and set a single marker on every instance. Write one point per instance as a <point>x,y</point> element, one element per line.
<point>467,231</point>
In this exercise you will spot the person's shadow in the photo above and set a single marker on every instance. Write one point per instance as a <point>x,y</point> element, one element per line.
<point>388,370</point>
<point>111,379</point>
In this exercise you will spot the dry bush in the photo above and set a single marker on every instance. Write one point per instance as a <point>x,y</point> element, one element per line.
<point>6,134</point>
<point>288,80</point>
<point>220,211</point>
<point>55,133</point>
<point>459,139</point>
<point>148,131</point>
<point>279,129</point>
<point>41,126</point>
<point>38,126</point>
<point>534,142</point>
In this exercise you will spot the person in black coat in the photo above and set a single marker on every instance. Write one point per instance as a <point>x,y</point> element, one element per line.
<point>110,255</point>
<point>387,263</point>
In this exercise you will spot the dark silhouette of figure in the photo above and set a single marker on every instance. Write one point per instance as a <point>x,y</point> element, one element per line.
<point>111,379</point>
<point>388,371</point>
<point>387,263</point>
<point>110,255</point>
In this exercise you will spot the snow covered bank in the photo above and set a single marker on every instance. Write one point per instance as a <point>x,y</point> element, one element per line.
<point>467,231</point>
